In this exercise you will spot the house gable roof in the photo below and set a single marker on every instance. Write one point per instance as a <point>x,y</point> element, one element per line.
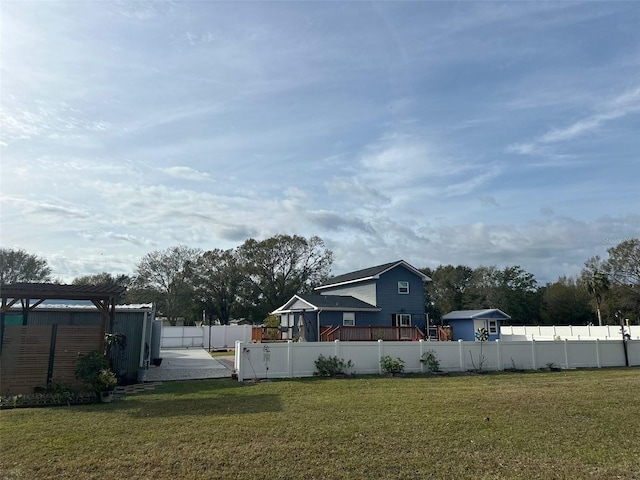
<point>371,273</point>
<point>327,302</point>
<point>492,313</point>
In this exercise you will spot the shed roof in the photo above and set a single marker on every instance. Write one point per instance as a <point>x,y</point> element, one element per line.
<point>492,313</point>
<point>370,273</point>
<point>61,291</point>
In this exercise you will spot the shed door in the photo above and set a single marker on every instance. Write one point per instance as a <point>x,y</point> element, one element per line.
<point>478,324</point>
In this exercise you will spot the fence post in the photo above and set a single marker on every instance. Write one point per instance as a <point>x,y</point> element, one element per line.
<point>461,349</point>
<point>290,358</point>
<point>336,350</point>
<point>566,353</point>
<point>598,352</point>
<point>498,354</point>
<point>421,353</point>
<point>239,363</point>
<point>380,355</point>
<point>533,353</point>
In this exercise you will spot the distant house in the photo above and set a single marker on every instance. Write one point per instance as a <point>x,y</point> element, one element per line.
<point>386,295</point>
<point>466,323</point>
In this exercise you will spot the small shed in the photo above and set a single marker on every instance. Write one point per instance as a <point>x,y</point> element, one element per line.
<point>465,323</point>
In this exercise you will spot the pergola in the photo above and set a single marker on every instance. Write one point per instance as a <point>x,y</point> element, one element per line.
<point>30,295</point>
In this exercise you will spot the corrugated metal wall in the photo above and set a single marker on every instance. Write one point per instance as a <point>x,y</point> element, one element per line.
<point>59,317</point>
<point>126,361</point>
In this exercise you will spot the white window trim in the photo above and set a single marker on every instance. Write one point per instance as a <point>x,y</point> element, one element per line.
<point>492,327</point>
<point>400,316</point>
<point>352,320</point>
<point>404,282</point>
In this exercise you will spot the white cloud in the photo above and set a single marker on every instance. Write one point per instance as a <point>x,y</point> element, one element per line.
<point>186,173</point>
<point>620,106</point>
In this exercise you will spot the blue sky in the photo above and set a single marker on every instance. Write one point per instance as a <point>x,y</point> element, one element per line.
<point>476,133</point>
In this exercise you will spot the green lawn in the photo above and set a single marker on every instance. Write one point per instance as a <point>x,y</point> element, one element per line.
<point>579,424</point>
<point>222,353</point>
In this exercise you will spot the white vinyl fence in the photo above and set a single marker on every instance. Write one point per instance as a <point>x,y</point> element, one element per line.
<point>221,336</point>
<point>288,360</point>
<point>561,332</point>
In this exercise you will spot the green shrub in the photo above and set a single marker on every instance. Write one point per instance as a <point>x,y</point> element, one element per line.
<point>331,366</point>
<point>93,370</point>
<point>430,361</point>
<point>392,365</point>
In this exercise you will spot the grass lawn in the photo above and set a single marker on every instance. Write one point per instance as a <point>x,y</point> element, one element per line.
<point>222,353</point>
<point>578,424</point>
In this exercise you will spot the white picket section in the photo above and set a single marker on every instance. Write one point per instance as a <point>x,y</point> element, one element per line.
<point>566,332</point>
<point>297,359</point>
<point>222,336</point>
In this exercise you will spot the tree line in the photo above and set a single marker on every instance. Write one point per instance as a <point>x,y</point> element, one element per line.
<point>259,276</point>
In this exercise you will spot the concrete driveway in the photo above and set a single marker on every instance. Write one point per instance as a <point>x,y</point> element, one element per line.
<point>188,364</point>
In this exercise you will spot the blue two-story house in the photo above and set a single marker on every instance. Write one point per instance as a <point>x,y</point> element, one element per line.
<point>382,296</point>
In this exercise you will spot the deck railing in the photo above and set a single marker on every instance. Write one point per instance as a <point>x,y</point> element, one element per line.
<point>265,334</point>
<point>445,334</point>
<point>371,333</point>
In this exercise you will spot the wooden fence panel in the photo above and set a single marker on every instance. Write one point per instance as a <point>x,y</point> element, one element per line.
<point>25,358</point>
<point>26,355</point>
<point>72,342</point>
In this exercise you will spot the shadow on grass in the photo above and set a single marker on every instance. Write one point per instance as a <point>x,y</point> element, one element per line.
<point>169,406</point>
<point>189,387</point>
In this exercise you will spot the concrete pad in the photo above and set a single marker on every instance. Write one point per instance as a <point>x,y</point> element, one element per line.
<point>187,364</point>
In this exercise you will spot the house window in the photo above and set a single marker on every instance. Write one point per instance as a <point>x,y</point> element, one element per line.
<point>404,319</point>
<point>349,319</point>
<point>493,327</point>
<point>403,287</point>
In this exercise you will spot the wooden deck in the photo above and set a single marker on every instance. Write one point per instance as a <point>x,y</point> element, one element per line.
<point>358,334</point>
<point>370,333</point>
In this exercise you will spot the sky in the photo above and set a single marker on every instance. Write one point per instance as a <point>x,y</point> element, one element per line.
<point>472,133</point>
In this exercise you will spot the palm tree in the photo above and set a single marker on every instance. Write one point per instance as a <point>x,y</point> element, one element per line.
<point>597,284</point>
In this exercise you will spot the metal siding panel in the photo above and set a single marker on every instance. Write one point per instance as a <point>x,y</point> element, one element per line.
<point>126,361</point>
<point>71,317</point>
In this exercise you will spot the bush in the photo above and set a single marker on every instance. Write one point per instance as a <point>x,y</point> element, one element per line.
<point>430,361</point>
<point>392,365</point>
<point>332,366</point>
<point>93,370</point>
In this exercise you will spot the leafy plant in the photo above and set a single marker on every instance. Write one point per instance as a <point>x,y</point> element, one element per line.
<point>378,335</point>
<point>331,366</point>
<point>392,365</point>
<point>482,335</point>
<point>430,361</point>
<point>93,370</point>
